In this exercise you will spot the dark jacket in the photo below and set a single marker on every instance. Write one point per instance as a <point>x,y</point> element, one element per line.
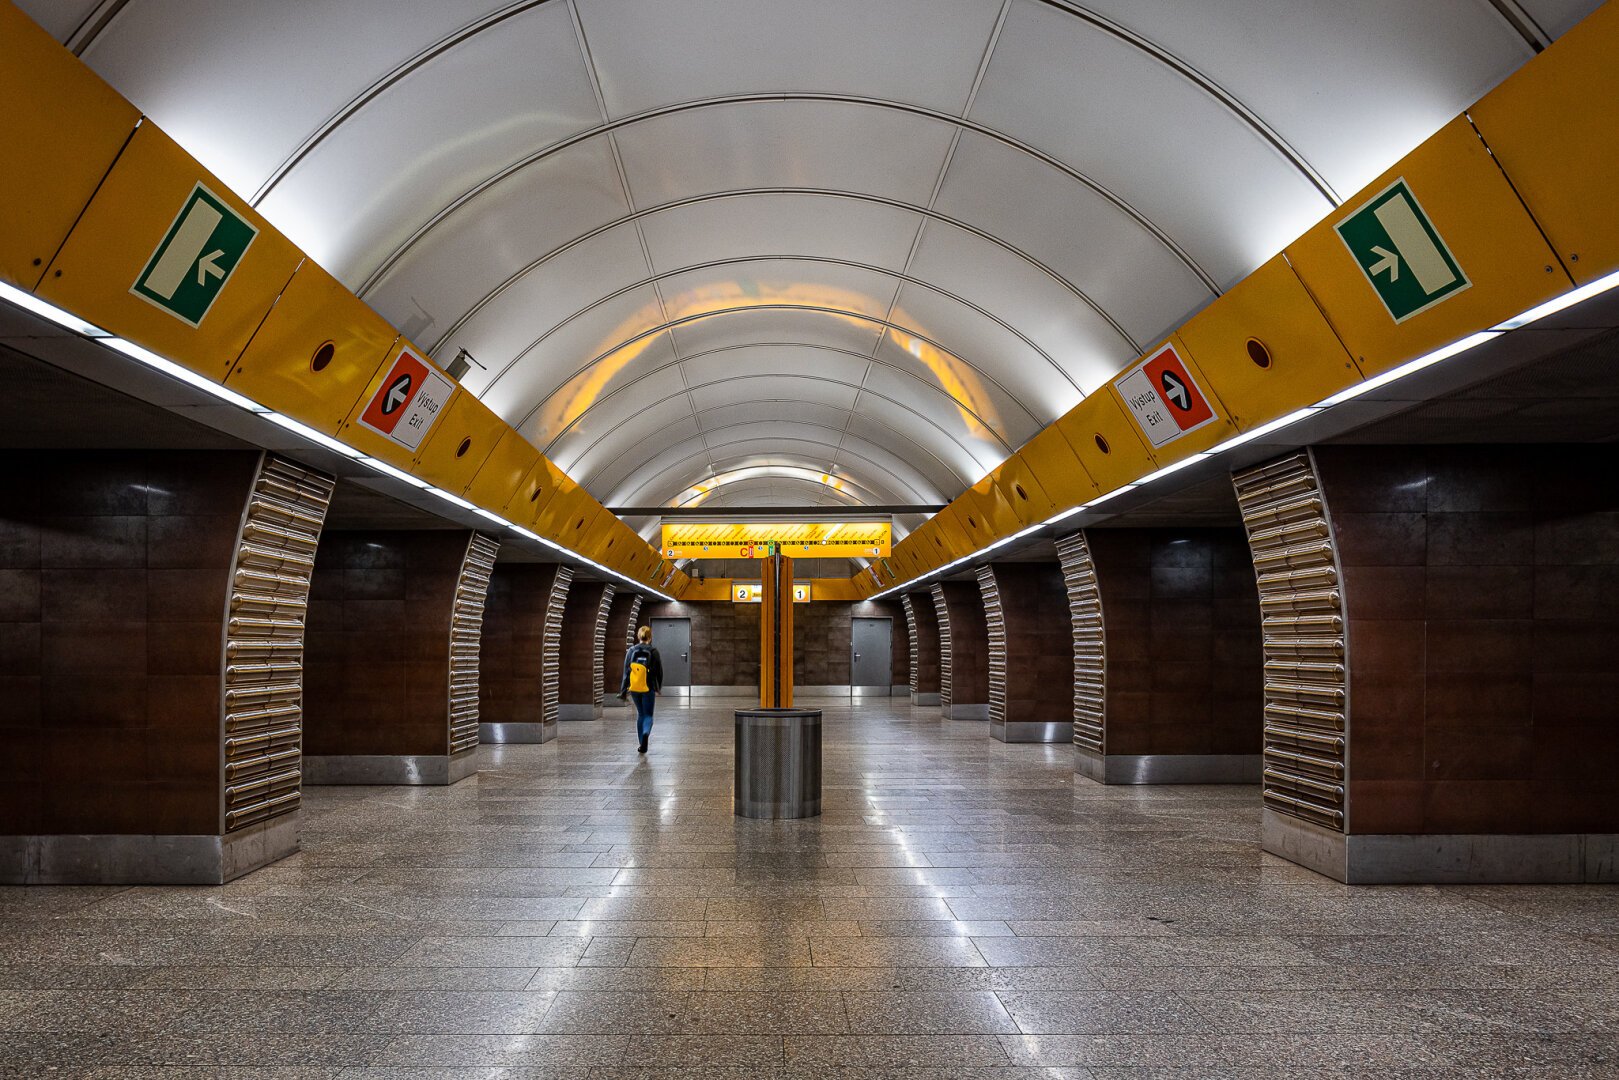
<point>647,655</point>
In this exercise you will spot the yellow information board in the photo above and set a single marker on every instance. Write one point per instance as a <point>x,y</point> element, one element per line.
<point>800,540</point>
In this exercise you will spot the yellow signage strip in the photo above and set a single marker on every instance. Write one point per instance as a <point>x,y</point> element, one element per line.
<point>800,540</point>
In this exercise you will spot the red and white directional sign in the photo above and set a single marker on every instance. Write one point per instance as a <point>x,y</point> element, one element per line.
<point>1163,397</point>
<point>408,402</point>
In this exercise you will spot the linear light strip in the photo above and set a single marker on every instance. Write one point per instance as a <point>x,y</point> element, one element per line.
<point>1411,367</point>
<point>29,302</point>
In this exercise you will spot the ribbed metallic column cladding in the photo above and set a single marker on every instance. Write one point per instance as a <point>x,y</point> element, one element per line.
<point>944,646</point>
<point>1301,604</point>
<point>995,624</point>
<point>1090,657</point>
<point>599,653</point>
<point>466,626</point>
<point>634,620</point>
<point>912,633</point>
<point>264,642</point>
<point>554,607</point>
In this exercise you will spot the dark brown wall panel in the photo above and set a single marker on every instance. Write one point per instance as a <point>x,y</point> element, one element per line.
<point>623,620</point>
<point>922,634</point>
<point>1031,656</point>
<point>1481,586</point>
<point>582,640</point>
<point>963,644</point>
<point>724,640</point>
<point>114,581</point>
<point>514,654</point>
<point>378,646</point>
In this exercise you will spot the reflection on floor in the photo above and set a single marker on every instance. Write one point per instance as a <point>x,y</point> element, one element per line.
<point>964,908</point>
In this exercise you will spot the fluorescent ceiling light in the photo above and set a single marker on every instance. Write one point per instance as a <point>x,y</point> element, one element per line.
<point>388,470</point>
<point>1560,303</point>
<point>29,302</point>
<point>306,432</point>
<point>1411,367</point>
<point>1266,429</point>
<point>1167,469</point>
<point>455,500</point>
<point>185,375</point>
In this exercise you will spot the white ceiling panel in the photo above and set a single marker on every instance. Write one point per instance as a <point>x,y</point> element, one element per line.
<point>450,124</point>
<point>743,226</point>
<point>990,437</point>
<point>955,453</point>
<point>777,360</point>
<point>1352,87</point>
<point>988,364</point>
<point>1558,17</point>
<point>577,363</point>
<point>838,447</point>
<point>765,410</point>
<point>800,388</point>
<point>767,326</point>
<point>60,18</point>
<point>537,300</point>
<point>1101,250</point>
<point>649,52</point>
<point>1065,328</point>
<point>242,85</point>
<point>777,281</point>
<point>656,431</point>
<point>505,228</point>
<point>835,145</point>
<point>1145,133</point>
<point>608,414</point>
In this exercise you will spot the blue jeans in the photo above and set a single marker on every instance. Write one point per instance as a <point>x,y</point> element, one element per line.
<point>643,712</point>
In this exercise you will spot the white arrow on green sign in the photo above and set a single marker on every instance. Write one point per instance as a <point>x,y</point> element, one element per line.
<point>1401,253</point>
<point>196,257</point>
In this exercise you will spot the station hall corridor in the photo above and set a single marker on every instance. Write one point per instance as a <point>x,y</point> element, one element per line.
<point>963,908</point>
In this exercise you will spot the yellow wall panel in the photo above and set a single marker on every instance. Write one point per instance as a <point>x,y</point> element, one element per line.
<point>565,516</point>
<point>368,441</point>
<point>1269,316</point>
<point>984,515</point>
<point>958,537</point>
<point>1058,470</point>
<point>1552,127</point>
<point>1213,427</point>
<point>536,490</point>
<point>50,173</point>
<point>835,589</point>
<point>460,442</point>
<point>315,353</point>
<point>1020,485</point>
<point>497,481</point>
<point>1120,457</point>
<point>1462,192</point>
<point>111,248</point>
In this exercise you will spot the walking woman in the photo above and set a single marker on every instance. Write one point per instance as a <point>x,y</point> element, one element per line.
<point>643,681</point>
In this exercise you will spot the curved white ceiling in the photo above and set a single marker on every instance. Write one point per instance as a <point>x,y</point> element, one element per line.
<point>770,241</point>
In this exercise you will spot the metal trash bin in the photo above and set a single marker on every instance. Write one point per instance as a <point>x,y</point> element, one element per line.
<point>778,763</point>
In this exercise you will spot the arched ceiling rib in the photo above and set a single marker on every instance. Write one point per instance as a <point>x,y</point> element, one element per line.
<point>959,215</point>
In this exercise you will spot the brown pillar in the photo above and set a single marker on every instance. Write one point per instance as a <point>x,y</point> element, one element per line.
<point>1173,617</point>
<point>1467,603</point>
<point>521,653</point>
<point>922,635</point>
<point>584,637</point>
<point>963,651</point>
<point>151,644</point>
<point>394,626</point>
<point>1030,652</point>
<point>623,620</point>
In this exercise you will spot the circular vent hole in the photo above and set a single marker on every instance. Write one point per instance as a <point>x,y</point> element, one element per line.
<point>322,357</point>
<point>1024,495</point>
<point>1101,444</point>
<point>535,497</point>
<point>1258,353</point>
<point>971,524</point>
<point>466,444</point>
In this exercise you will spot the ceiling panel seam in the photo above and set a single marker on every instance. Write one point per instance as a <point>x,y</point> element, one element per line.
<point>594,78</point>
<point>933,199</point>
<point>1225,98</point>
<point>874,418</point>
<point>827,193</point>
<point>915,494</point>
<point>635,497</point>
<point>815,308</point>
<point>1119,202</point>
<point>838,382</point>
<point>822,259</point>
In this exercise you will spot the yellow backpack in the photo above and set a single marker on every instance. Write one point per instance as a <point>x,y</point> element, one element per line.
<point>638,683</point>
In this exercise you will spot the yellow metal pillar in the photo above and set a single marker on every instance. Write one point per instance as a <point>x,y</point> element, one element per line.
<point>776,634</point>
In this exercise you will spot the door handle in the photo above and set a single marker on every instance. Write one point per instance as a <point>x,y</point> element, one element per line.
<point>857,656</point>
<point>683,656</point>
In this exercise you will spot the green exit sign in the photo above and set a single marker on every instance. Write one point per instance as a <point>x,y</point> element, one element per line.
<point>198,254</point>
<point>1401,253</point>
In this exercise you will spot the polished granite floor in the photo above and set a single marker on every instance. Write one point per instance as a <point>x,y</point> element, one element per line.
<point>962,909</point>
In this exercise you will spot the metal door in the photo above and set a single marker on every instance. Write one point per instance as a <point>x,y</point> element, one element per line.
<point>873,652</point>
<point>672,639</point>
